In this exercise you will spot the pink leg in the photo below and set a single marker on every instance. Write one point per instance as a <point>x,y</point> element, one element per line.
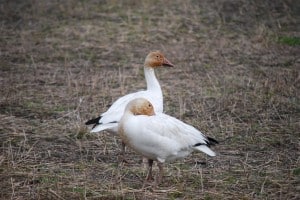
<point>149,174</point>
<point>161,172</point>
<point>123,159</point>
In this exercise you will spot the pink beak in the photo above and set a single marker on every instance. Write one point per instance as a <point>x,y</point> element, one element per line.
<point>167,63</point>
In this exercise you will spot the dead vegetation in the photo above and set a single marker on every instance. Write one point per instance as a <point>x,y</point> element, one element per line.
<point>236,78</point>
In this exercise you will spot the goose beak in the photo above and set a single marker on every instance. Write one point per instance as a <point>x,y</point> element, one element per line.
<point>167,63</point>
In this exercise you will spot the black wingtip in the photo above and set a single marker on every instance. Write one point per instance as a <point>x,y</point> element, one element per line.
<point>212,141</point>
<point>209,142</point>
<point>93,121</point>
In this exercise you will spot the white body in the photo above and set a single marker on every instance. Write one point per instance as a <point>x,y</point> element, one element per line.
<point>161,137</point>
<point>110,119</point>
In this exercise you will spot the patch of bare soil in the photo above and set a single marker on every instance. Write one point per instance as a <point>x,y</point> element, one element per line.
<point>236,79</point>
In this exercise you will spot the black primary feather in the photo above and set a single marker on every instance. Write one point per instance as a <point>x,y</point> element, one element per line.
<point>93,121</point>
<point>210,141</point>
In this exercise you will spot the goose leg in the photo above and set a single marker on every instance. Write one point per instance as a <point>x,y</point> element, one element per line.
<point>161,172</point>
<point>123,148</point>
<point>149,174</point>
<point>145,163</point>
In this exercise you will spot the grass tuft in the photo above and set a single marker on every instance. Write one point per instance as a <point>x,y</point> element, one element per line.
<point>291,41</point>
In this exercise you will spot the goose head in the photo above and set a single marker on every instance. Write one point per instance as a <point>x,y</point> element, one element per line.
<point>156,59</point>
<point>140,106</point>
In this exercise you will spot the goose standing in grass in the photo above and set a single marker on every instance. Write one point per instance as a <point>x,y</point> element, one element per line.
<point>109,120</point>
<point>159,137</point>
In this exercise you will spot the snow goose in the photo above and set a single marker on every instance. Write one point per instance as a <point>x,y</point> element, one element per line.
<point>159,137</point>
<point>109,120</point>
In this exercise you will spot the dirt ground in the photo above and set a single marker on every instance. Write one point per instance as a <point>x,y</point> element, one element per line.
<point>236,79</point>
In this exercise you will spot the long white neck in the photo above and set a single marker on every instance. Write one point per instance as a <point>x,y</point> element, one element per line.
<point>151,80</point>
<point>156,96</point>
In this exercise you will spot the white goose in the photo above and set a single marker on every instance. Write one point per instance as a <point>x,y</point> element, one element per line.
<point>159,137</point>
<point>109,120</point>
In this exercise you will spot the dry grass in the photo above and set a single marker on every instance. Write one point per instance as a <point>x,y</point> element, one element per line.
<point>235,78</point>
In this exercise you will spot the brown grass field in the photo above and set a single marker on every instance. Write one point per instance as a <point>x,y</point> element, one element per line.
<point>236,79</point>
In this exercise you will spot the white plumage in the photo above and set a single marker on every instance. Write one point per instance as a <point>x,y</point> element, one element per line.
<point>160,137</point>
<point>109,120</point>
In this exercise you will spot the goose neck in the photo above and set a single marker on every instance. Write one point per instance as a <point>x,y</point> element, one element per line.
<point>151,80</point>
